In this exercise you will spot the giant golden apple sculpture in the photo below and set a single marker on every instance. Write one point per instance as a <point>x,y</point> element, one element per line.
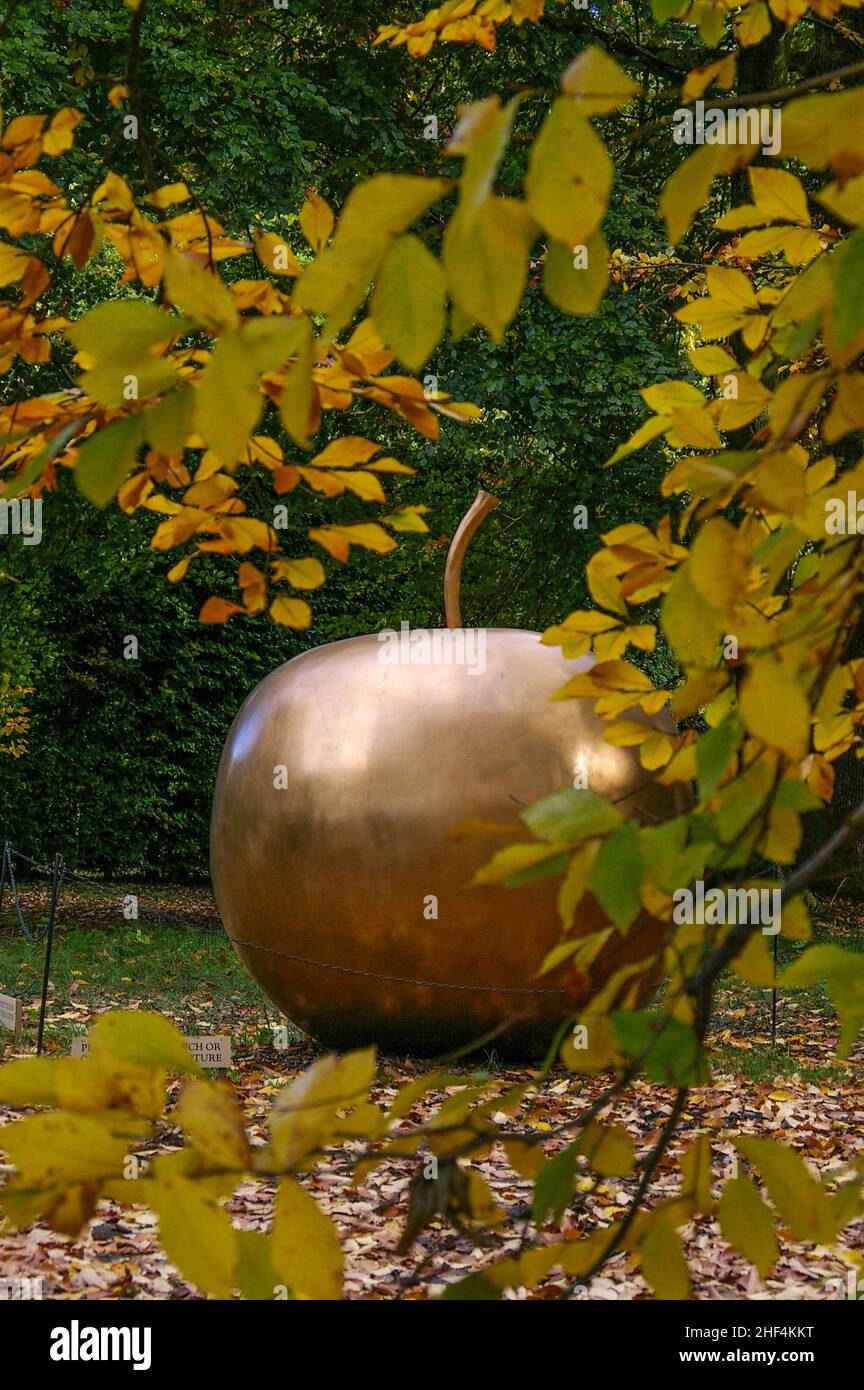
<point>330,857</point>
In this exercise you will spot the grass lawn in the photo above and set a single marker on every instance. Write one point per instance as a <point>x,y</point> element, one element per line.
<point>102,961</point>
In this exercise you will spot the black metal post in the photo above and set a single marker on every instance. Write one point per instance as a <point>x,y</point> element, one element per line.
<point>774,1000</point>
<point>3,873</point>
<point>55,891</point>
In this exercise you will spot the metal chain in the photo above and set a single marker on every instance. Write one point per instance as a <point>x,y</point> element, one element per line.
<point>14,886</point>
<point>395,979</point>
<point>154,912</point>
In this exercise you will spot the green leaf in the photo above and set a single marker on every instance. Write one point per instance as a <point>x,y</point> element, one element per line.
<point>747,1223</point>
<point>576,290</point>
<point>616,876</point>
<point>847,312</point>
<point>571,814</point>
<point>608,1149</point>
<point>801,1201</point>
<point>228,402</point>
<point>664,1267</point>
<point>793,795</point>
<point>106,458</point>
<point>826,962</point>
<point>714,753</point>
<point>473,1289</point>
<point>167,426</point>
<point>124,329</point>
<point>672,1055</point>
<point>553,1186</point>
<point>408,303</point>
<point>28,1081</point>
<point>486,262</point>
<point>843,973</point>
<point>255,1277</point>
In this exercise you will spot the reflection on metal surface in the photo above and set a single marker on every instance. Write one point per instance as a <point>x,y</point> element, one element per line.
<point>355,909</point>
<point>340,778</point>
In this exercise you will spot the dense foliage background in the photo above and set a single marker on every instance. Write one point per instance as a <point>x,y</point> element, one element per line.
<point>253,106</point>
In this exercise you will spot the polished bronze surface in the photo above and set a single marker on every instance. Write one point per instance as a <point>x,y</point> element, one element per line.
<point>480,508</point>
<point>330,880</point>
<point>335,877</point>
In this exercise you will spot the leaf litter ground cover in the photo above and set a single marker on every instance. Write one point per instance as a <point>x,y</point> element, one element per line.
<point>796,1092</point>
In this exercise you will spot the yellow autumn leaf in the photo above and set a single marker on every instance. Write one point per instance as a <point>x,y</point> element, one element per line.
<point>13,264</point>
<point>779,195</point>
<point>59,135</point>
<point>407,519</point>
<point>775,708</point>
<point>569,176</point>
<point>275,254</point>
<point>195,1233</point>
<point>56,1149</point>
<point>305,1249</point>
<point>597,82</point>
<point>169,195</point>
<point>337,540</point>
<point>686,190</point>
<point>575,278</point>
<point>752,24</point>
<point>513,860</point>
<point>316,220</point>
<point>297,394</point>
<point>664,1266</point>
<point>228,402</point>
<point>211,1119</point>
<point>219,610</point>
<point>670,395</point>
<point>254,587</point>
<point>291,612</point>
<point>344,452</point>
<point>300,574</point>
<point>747,1223</point>
<point>199,293</point>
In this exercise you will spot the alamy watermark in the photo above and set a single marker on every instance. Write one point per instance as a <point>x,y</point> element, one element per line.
<point>844,518</point>
<point>728,906</point>
<point>20,1290</point>
<point>22,516</point>
<point>436,647</point>
<point>735,125</point>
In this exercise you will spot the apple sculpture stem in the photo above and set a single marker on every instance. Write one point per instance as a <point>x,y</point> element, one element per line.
<point>337,876</point>
<point>482,505</point>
